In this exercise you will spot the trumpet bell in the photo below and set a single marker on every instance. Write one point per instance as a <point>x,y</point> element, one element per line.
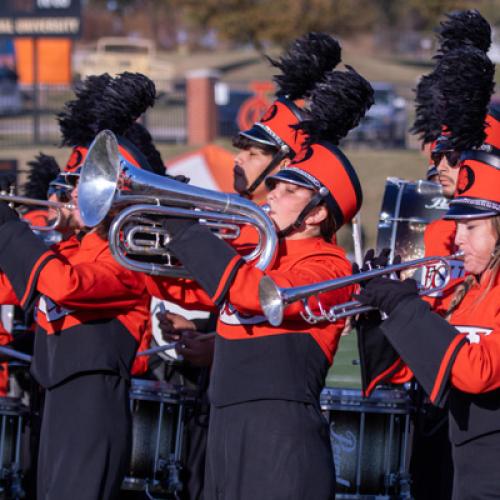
<point>99,178</point>
<point>271,300</point>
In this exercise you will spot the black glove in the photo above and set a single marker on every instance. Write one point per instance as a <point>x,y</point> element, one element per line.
<point>7,179</point>
<point>385,294</point>
<point>7,213</point>
<point>371,261</point>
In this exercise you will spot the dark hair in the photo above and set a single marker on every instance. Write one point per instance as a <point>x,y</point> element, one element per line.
<point>328,227</point>
<point>242,142</point>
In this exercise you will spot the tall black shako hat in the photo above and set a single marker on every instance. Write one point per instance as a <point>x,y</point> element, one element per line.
<point>105,102</point>
<point>466,83</point>
<point>461,29</point>
<point>337,105</point>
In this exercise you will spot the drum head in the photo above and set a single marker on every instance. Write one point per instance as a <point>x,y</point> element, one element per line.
<point>407,208</point>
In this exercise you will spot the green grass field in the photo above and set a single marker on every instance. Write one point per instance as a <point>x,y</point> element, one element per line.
<point>345,369</point>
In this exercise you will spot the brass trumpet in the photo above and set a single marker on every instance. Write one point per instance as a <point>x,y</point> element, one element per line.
<point>274,299</point>
<point>24,200</point>
<point>107,181</point>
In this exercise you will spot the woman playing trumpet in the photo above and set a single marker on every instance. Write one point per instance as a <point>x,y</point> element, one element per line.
<point>454,352</point>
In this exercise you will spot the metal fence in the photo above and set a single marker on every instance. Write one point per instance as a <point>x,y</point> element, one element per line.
<point>29,117</point>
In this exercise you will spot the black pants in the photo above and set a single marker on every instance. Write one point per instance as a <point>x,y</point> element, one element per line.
<point>270,450</point>
<point>477,465</point>
<point>431,462</point>
<point>85,439</point>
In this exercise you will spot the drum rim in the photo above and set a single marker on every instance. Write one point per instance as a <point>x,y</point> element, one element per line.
<point>380,401</point>
<point>159,390</point>
<point>12,406</point>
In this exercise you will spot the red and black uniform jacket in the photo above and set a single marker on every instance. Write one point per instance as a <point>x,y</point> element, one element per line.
<point>91,312</point>
<point>254,360</point>
<point>459,359</point>
<point>379,361</point>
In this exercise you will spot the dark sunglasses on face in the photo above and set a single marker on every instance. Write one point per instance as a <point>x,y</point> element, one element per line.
<point>63,194</point>
<point>452,157</point>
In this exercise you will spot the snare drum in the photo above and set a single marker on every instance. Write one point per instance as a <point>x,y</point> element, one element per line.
<point>12,416</point>
<point>407,208</point>
<point>370,442</point>
<point>158,412</point>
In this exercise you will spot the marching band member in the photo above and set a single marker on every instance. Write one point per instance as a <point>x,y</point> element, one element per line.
<point>456,363</point>
<point>267,146</point>
<point>459,361</point>
<point>266,433</point>
<point>461,29</point>
<point>273,142</point>
<point>91,316</point>
<point>465,77</point>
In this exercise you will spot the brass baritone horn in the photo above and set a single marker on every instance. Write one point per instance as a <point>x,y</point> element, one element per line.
<point>24,200</point>
<point>274,299</point>
<point>107,181</point>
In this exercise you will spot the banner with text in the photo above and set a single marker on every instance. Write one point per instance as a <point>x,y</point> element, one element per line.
<point>44,18</point>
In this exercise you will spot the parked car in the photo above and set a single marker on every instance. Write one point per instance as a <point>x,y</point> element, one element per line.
<point>11,101</point>
<point>386,122</point>
<point>115,55</point>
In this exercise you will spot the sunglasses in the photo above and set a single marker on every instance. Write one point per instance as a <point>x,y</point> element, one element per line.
<point>63,194</point>
<point>452,157</point>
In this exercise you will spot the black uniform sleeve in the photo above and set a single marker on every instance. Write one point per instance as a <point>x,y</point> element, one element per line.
<point>378,359</point>
<point>427,343</point>
<point>210,261</point>
<point>22,256</point>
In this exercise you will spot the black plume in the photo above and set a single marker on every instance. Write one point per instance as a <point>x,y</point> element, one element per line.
<point>306,62</point>
<point>466,83</point>
<point>43,170</point>
<point>427,124</point>
<point>76,120</point>
<point>103,102</point>
<point>140,137</point>
<point>124,100</point>
<point>338,103</point>
<point>467,27</point>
